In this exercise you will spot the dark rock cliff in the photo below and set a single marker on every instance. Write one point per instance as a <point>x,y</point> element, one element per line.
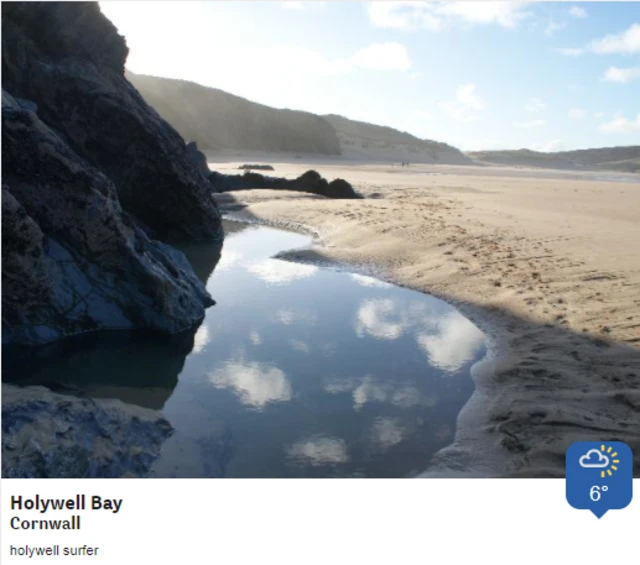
<point>92,177</point>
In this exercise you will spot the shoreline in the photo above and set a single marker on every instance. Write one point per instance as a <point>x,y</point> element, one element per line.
<point>472,409</point>
<point>559,372</point>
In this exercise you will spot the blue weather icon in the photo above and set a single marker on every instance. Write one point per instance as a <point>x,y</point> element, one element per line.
<point>604,458</point>
<point>599,476</point>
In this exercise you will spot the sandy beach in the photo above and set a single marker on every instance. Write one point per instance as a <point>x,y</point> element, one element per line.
<point>546,263</point>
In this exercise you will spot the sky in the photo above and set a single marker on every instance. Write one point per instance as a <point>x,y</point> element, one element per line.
<point>548,76</point>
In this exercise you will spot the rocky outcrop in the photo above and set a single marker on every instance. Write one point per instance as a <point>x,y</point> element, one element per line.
<point>72,260</point>
<point>198,158</point>
<point>69,60</point>
<point>311,181</point>
<point>45,434</point>
<point>92,178</point>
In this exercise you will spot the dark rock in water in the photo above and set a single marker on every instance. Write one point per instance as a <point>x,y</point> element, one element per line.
<point>311,181</point>
<point>198,158</point>
<point>67,58</point>
<point>88,180</point>
<point>45,434</point>
<point>256,167</point>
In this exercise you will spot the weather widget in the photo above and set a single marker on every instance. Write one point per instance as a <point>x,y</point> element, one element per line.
<point>599,476</point>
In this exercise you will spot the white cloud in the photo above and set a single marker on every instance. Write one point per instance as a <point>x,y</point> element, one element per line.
<point>465,104</point>
<point>281,272</point>
<point>387,432</point>
<point>320,451</point>
<point>255,338</point>
<point>622,125</point>
<point>535,105</point>
<point>626,42</point>
<point>363,280</point>
<point>577,113</point>
<point>380,319</point>
<point>403,15</point>
<point>255,384</point>
<point>598,115</point>
<point>505,14</point>
<point>201,339</point>
<point>286,317</point>
<point>553,26</point>
<point>438,15</point>
<point>228,259</point>
<point>531,124</point>
<point>622,75</point>
<point>382,57</point>
<point>455,342</point>
<point>550,146</point>
<point>449,341</point>
<point>365,390</point>
<point>416,75</point>
<point>577,12</point>
<point>300,6</point>
<point>570,51</point>
<point>299,345</point>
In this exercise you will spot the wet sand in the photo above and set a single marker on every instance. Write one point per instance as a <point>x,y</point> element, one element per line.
<point>547,263</point>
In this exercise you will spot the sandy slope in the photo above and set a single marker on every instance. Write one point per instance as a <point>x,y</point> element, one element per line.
<point>546,263</point>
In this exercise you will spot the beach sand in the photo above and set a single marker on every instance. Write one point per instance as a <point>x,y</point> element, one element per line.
<point>546,263</point>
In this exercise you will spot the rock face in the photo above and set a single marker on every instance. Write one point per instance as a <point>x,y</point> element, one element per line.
<point>69,60</point>
<point>198,158</point>
<point>311,181</point>
<point>45,434</point>
<point>92,176</point>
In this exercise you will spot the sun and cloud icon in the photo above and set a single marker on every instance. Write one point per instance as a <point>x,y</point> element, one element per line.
<point>601,459</point>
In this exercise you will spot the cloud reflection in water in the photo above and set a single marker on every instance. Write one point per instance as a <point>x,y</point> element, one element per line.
<point>319,451</point>
<point>448,340</point>
<point>256,384</point>
<point>273,271</point>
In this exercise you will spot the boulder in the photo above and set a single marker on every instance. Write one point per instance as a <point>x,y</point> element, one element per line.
<point>50,435</point>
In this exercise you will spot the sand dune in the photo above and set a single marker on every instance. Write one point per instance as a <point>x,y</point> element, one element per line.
<point>546,263</point>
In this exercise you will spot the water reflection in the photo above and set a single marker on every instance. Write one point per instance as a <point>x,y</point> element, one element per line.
<point>368,281</point>
<point>453,342</point>
<point>449,341</point>
<point>319,451</point>
<point>280,272</point>
<point>297,371</point>
<point>387,432</point>
<point>135,368</point>
<point>255,384</point>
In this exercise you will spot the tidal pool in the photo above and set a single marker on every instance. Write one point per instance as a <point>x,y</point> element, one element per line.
<point>297,371</point>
